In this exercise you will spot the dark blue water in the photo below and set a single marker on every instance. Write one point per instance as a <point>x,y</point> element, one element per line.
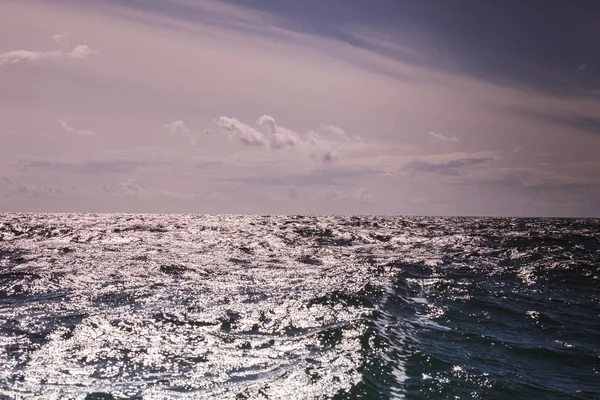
<point>242,307</point>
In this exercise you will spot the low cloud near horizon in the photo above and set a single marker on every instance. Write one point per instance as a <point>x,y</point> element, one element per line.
<point>262,107</point>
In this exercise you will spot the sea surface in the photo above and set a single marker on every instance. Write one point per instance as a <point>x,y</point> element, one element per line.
<point>126,306</point>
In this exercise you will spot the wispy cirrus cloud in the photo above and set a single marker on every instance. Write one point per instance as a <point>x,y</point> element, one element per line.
<point>80,132</point>
<point>339,132</point>
<point>441,37</point>
<point>586,123</point>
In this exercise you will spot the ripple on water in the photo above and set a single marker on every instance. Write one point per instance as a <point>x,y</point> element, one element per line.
<point>185,306</point>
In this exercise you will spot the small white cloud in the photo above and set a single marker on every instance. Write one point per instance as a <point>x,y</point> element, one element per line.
<point>60,37</point>
<point>81,132</point>
<point>178,128</point>
<point>336,130</point>
<point>436,137</point>
<point>23,56</point>
<point>339,132</point>
<point>582,67</point>
<point>26,56</point>
<point>82,51</point>
<point>247,135</point>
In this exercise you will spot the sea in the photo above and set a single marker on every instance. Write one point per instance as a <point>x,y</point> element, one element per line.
<point>136,306</point>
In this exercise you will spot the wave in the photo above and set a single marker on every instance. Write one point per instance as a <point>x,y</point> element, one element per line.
<point>187,306</point>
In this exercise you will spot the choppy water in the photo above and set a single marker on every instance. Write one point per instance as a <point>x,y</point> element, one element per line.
<point>183,306</point>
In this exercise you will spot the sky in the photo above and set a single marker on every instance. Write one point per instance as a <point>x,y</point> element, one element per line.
<point>387,107</point>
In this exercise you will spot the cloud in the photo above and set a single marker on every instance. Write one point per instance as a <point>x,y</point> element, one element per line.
<point>13,187</point>
<point>60,37</point>
<point>278,137</point>
<point>536,182</point>
<point>82,51</point>
<point>81,132</point>
<point>450,167</point>
<point>247,135</point>
<point>451,164</point>
<point>441,37</point>
<point>23,56</point>
<point>133,187</point>
<point>360,195</point>
<point>27,56</point>
<point>275,137</point>
<point>336,130</point>
<point>35,190</point>
<point>322,176</point>
<point>440,138</point>
<point>586,123</point>
<point>178,128</point>
<point>340,133</point>
<point>86,167</point>
<point>421,200</point>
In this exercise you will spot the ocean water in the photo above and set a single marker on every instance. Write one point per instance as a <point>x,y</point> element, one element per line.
<point>291,307</point>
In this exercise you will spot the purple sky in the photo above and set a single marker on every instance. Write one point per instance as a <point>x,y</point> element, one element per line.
<point>349,107</point>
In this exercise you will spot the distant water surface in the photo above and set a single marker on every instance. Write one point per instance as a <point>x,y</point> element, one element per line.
<point>243,307</point>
